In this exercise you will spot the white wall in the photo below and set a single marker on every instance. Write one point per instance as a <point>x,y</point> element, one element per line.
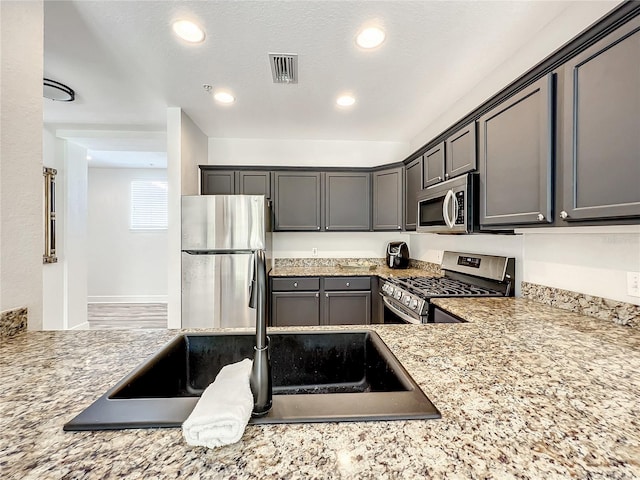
<point>21,181</point>
<point>304,153</point>
<point>589,260</point>
<point>123,265</point>
<point>334,244</point>
<point>75,235</point>
<point>573,20</point>
<point>186,149</point>
<point>53,274</point>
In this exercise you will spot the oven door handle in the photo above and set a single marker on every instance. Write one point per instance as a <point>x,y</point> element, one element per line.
<point>400,313</point>
<point>446,208</point>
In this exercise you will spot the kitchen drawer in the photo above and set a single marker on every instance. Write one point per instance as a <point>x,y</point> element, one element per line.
<point>347,283</point>
<point>292,284</point>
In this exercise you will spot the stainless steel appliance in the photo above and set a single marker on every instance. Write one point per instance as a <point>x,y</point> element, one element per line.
<point>397,255</point>
<point>220,233</point>
<point>449,207</point>
<point>407,300</point>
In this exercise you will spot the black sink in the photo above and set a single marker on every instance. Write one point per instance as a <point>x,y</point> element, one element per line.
<point>317,377</point>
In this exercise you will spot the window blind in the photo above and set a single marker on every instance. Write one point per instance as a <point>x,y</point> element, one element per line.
<point>149,205</point>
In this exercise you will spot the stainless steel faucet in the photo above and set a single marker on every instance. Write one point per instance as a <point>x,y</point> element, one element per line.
<point>260,380</point>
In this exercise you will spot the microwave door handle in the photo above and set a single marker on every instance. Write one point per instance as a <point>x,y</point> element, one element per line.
<point>445,208</point>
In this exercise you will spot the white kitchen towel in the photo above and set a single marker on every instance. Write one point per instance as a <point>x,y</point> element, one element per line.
<point>224,409</point>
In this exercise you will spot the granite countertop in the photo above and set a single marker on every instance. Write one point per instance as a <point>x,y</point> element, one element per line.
<point>525,391</point>
<point>335,271</point>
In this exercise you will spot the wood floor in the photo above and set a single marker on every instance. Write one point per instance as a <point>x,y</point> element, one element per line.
<point>125,316</point>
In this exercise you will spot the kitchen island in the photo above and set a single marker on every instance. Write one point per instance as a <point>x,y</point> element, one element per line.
<point>525,391</point>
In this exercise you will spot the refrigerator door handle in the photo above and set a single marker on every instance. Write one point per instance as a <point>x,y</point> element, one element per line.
<point>252,283</point>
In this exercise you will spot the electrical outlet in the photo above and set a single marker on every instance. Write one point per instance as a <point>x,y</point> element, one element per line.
<point>314,252</point>
<point>633,284</point>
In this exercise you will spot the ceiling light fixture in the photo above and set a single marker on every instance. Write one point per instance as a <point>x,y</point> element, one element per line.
<point>188,31</point>
<point>57,91</point>
<point>370,37</point>
<point>345,100</point>
<point>224,97</point>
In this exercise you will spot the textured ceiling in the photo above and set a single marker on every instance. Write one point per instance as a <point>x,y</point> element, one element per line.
<point>127,67</point>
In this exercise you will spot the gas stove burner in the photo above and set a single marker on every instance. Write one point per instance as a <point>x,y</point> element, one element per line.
<point>445,287</point>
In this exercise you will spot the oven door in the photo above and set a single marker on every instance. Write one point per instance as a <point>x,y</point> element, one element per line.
<point>395,315</point>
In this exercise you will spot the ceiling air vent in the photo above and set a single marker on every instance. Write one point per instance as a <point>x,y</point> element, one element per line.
<point>284,67</point>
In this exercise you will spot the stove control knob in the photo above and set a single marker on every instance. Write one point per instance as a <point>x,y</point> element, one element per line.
<point>414,304</point>
<point>397,294</point>
<point>406,299</point>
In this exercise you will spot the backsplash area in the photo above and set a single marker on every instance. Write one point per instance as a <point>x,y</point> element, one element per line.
<point>605,309</point>
<point>13,322</point>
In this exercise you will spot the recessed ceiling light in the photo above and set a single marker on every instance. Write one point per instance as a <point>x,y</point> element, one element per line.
<point>188,31</point>
<point>88,157</point>
<point>224,97</point>
<point>345,100</point>
<point>370,37</point>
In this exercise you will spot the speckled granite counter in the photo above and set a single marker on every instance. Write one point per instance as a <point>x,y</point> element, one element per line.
<point>383,272</point>
<point>525,391</point>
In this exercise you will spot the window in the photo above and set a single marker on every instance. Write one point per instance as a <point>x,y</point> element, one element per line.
<point>149,205</point>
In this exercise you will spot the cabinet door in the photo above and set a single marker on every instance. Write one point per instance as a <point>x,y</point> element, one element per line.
<point>601,164</point>
<point>347,308</point>
<point>217,182</point>
<point>412,185</point>
<point>347,201</point>
<point>292,309</point>
<point>461,152</point>
<point>297,201</point>
<point>387,199</point>
<point>516,158</point>
<point>254,183</point>
<point>434,165</point>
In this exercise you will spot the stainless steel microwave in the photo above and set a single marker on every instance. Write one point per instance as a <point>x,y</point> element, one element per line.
<point>449,207</point>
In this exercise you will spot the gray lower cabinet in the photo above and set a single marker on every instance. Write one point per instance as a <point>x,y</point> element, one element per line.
<point>517,158</point>
<point>309,301</point>
<point>434,165</point>
<point>297,201</point>
<point>461,152</point>
<point>387,199</point>
<point>295,309</point>
<point>601,129</point>
<point>412,185</point>
<point>347,201</point>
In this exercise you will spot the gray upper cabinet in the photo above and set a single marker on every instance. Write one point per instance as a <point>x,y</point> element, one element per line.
<point>434,165</point>
<point>217,182</point>
<point>412,185</point>
<point>461,152</point>
<point>230,182</point>
<point>347,201</point>
<point>516,158</point>
<point>387,199</point>
<point>254,183</point>
<point>297,202</point>
<point>601,129</point>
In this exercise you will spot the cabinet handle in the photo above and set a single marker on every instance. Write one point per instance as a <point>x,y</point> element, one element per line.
<point>439,177</point>
<point>399,227</point>
<point>326,295</point>
<point>295,284</point>
<point>540,217</point>
<point>318,228</point>
<point>348,284</point>
<point>446,175</point>
<point>564,215</point>
<point>317,295</point>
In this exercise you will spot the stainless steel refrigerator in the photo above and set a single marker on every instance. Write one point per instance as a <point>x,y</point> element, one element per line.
<point>219,235</point>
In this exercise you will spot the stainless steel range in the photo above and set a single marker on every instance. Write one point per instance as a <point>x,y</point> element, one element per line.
<point>407,300</point>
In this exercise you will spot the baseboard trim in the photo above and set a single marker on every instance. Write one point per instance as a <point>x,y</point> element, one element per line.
<point>82,326</point>
<point>128,299</point>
